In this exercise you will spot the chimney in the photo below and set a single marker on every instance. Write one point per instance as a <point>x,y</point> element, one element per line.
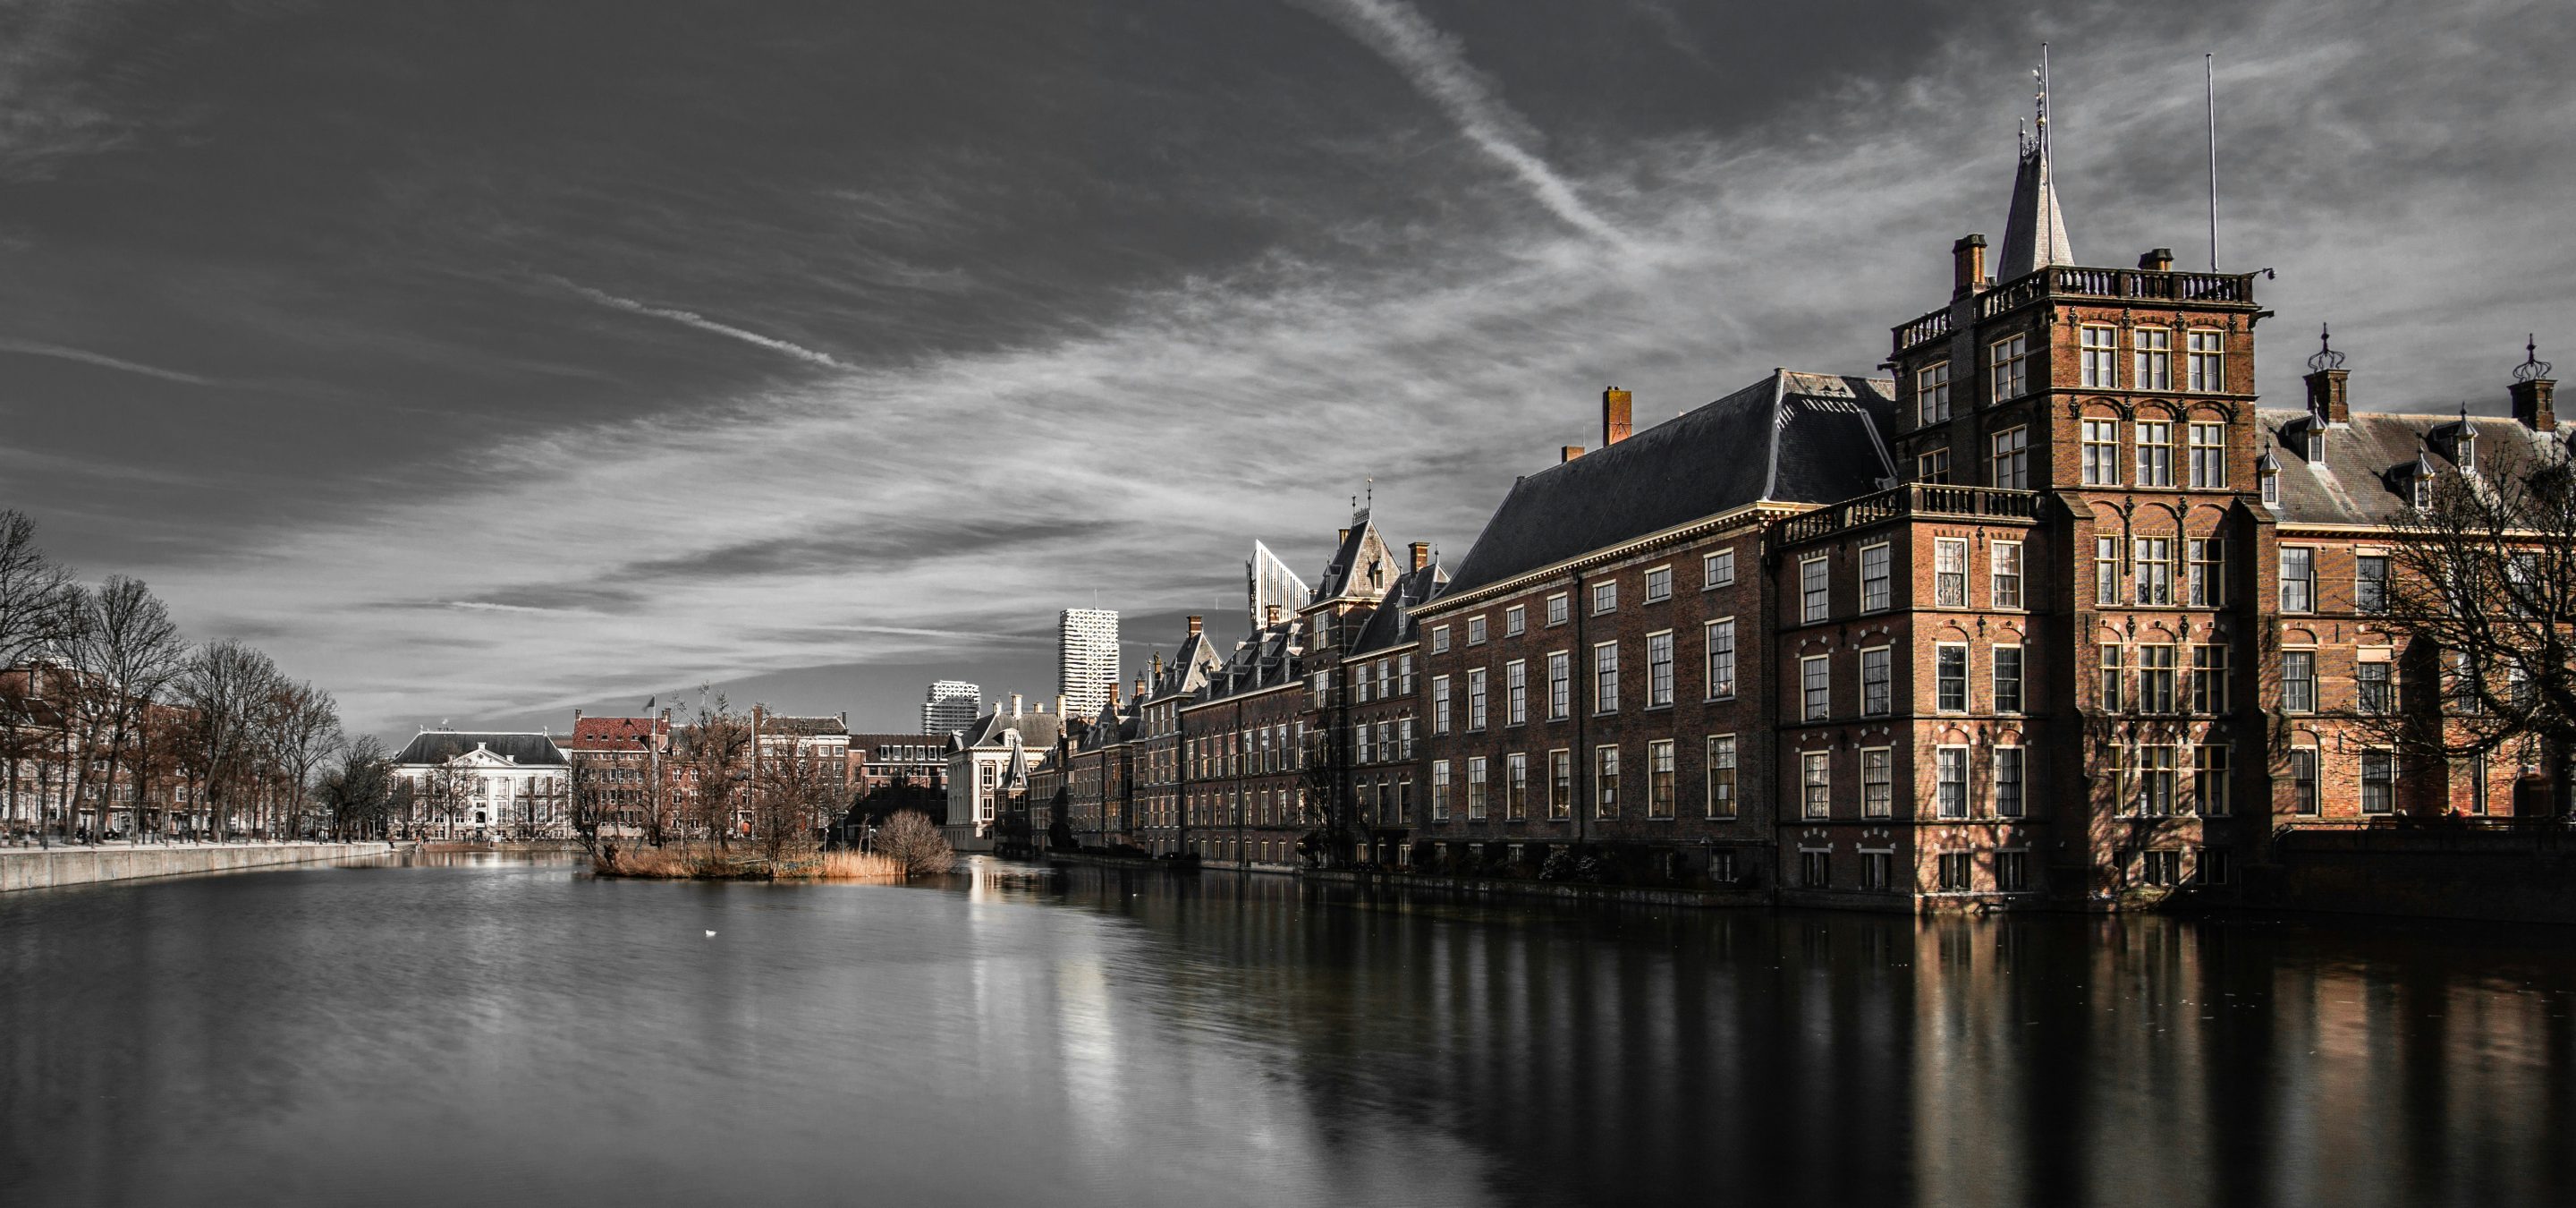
<point>1566,453</point>
<point>1140,684</point>
<point>1341,537</point>
<point>2326,374</point>
<point>576,719</point>
<point>2534,391</point>
<point>2157,260</point>
<point>1113,696</point>
<point>1197,623</point>
<point>1015,704</point>
<point>1614,416</point>
<point>1421,554</point>
<point>1967,265</point>
<point>1269,615</point>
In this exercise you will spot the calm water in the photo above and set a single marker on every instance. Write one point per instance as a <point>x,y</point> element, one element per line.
<point>502,1032</point>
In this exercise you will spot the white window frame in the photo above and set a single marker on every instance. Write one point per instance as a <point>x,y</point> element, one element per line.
<point>2098,348</point>
<point>1720,775</point>
<point>2008,368</point>
<point>1932,393</point>
<point>1605,677</point>
<point>1815,589</point>
<point>1717,569</point>
<point>1660,669</point>
<point>1816,687</point>
<point>1876,575</point>
<point>1717,641</point>
<point>1659,584</point>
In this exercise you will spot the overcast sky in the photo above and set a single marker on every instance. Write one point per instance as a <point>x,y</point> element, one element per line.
<point>481,361</point>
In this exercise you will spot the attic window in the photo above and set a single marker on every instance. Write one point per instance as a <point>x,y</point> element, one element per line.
<point>2423,492</point>
<point>2464,449</point>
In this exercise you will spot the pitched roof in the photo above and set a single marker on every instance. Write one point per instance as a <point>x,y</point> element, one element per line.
<point>613,733</point>
<point>2362,473</point>
<point>1359,565</point>
<point>1190,667</point>
<point>439,746</point>
<point>998,729</point>
<point>1791,437</point>
<point>802,727</point>
<point>1393,624</point>
<point>2035,230</point>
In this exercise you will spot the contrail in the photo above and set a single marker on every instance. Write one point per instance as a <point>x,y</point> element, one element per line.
<point>103,361</point>
<point>1431,62</point>
<point>703,323</point>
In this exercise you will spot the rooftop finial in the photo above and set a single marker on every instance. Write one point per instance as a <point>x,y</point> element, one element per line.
<point>2035,231</point>
<point>2532,368</point>
<point>2326,357</point>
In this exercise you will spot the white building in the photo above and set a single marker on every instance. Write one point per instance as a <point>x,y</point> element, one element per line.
<point>485,786</point>
<point>1086,659</point>
<point>951,706</point>
<point>984,762</point>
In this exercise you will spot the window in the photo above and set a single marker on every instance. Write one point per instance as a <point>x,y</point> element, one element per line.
<point>1716,569</point>
<point>1556,609</point>
<point>2208,366</point>
<point>1877,782</point>
<point>1876,869</point>
<point>1515,692</point>
<point>1440,790</point>
<point>1721,776</point>
<point>2160,869</point>
<point>2012,459</point>
<point>2271,487</point>
<point>1363,751</point>
<point>2299,681</point>
<point>2155,781</point>
<point>2112,679</point>
<point>1950,677</point>
<point>2007,679</point>
<point>1439,704</point>
<point>1560,784</point>
<point>1515,787</point>
<point>2378,782</point>
<point>1873,577</point>
<point>1560,684</point>
<point>2151,366</point>
<point>2298,579</point>
<point>1720,639</point>
<point>2009,776</point>
<point>2214,867</point>
<point>2010,358</point>
<point>1659,584</point>
<point>2209,780</point>
<point>2101,452</point>
<point>1721,866</point>
<point>1815,869</point>
<point>2155,453</point>
<point>1932,393</point>
<point>2154,570</point>
<point>1815,784</point>
<point>1476,789</point>
<point>1605,779</point>
<point>1877,670</point>
<point>1404,675</point>
<point>1957,871</point>
<point>2478,785</point>
<point>1605,597</point>
<point>1659,778</point>
<point>2106,570</point>
<point>2464,450</point>
<point>2208,455</point>
<point>1404,736</point>
<point>2099,357</point>
<point>1950,781</point>
<point>1475,699</point>
<point>1815,593</point>
<point>1659,669</point>
<point>1605,677</point>
<point>1515,621</point>
<point>2372,691</point>
<point>1950,572</point>
<point>2003,561</point>
<point>2012,871</point>
<point>1439,639</point>
<point>2370,583</point>
<point>2205,580</point>
<point>1815,685</point>
<point>2465,677</point>
<point>1475,631</point>
<point>1359,683</point>
<point>2303,780</point>
<point>2209,692</point>
<point>2156,679</point>
<point>1932,466</point>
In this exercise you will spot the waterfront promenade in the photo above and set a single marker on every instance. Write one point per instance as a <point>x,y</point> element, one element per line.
<point>82,864</point>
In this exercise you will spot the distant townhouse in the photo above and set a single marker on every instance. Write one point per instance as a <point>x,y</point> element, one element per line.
<point>989,761</point>
<point>485,785</point>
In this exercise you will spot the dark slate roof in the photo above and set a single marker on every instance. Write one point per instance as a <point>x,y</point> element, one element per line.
<point>1190,667</point>
<point>802,727</point>
<point>2363,474</point>
<point>1393,624</point>
<point>439,746</point>
<point>1346,574</point>
<point>1791,437</point>
<point>994,730</point>
<point>1272,656</point>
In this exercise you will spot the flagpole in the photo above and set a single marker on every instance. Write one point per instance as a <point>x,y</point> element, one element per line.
<point>2209,65</point>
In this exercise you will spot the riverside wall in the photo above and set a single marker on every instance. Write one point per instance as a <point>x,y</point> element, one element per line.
<point>48,868</point>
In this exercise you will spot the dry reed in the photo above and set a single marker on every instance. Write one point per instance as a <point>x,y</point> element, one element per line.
<point>696,862</point>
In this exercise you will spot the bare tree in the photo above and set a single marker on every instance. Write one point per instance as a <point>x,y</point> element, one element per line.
<point>793,801</point>
<point>2483,587</point>
<point>34,598</point>
<point>358,790</point>
<point>301,726</point>
<point>226,684</point>
<point>914,843</point>
<point>128,651</point>
<point>719,742</point>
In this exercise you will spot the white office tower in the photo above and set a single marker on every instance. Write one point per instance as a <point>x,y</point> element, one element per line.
<point>1086,659</point>
<point>952,705</point>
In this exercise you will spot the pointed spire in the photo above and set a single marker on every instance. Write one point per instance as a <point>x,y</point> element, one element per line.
<point>2035,233</point>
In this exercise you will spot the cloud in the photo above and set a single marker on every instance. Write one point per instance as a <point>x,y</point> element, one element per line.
<point>102,360</point>
<point>1436,65</point>
<point>702,323</point>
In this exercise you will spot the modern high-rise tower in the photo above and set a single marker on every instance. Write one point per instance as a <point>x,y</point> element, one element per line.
<point>951,705</point>
<point>1087,659</point>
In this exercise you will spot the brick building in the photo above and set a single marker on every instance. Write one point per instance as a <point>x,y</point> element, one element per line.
<point>620,770</point>
<point>1242,741</point>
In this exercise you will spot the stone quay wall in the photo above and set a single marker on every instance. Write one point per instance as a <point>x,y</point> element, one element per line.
<point>46,868</point>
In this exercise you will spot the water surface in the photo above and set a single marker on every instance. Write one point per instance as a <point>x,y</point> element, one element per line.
<point>501,1031</point>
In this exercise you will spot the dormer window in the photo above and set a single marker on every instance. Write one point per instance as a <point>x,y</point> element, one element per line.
<point>2268,470</point>
<point>2423,492</point>
<point>2464,449</point>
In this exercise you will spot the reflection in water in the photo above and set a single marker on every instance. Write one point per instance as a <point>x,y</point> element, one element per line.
<point>499,1028</point>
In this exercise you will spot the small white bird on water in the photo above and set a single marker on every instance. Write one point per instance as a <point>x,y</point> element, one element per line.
<point>711,935</point>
